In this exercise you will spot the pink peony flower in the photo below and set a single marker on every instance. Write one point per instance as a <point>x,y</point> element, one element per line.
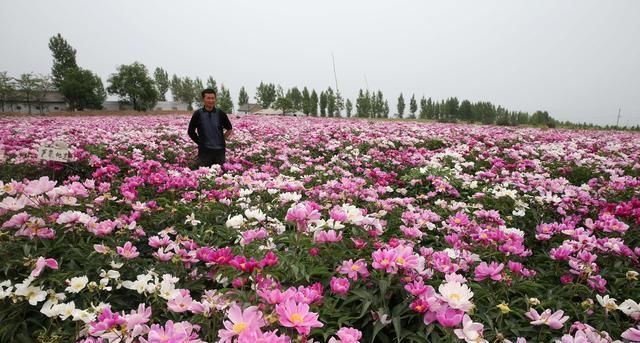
<point>297,315</point>
<point>471,332</point>
<point>347,335</point>
<point>128,251</point>
<point>339,285</point>
<point>41,263</point>
<point>493,271</point>
<point>632,334</point>
<point>181,302</point>
<point>353,269</point>
<point>449,317</point>
<point>241,324</point>
<point>170,333</point>
<point>385,259</point>
<point>553,320</point>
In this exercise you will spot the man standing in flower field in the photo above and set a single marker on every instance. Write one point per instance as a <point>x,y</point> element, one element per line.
<point>209,128</point>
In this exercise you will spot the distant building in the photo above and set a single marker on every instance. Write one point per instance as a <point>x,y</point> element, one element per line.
<point>40,102</point>
<point>272,111</point>
<point>54,101</point>
<point>160,106</point>
<point>171,106</point>
<point>249,108</point>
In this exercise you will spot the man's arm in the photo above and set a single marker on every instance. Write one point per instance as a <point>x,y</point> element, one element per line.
<point>193,123</point>
<point>228,133</point>
<point>226,124</point>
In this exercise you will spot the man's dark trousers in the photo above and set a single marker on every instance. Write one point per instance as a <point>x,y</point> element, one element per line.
<point>208,157</point>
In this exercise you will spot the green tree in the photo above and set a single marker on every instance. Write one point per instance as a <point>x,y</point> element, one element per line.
<point>323,104</point>
<point>401,106</point>
<point>423,108</point>
<point>349,108</point>
<point>43,86</point>
<point>413,105</point>
<point>133,85</point>
<point>451,108</point>
<point>464,111</point>
<point>64,58</point>
<point>385,109</point>
<point>196,91</point>
<point>283,102</point>
<point>295,96</point>
<point>176,87</point>
<point>363,104</point>
<point>83,89</point>
<point>266,94</point>
<point>223,100</point>
<point>243,97</point>
<point>306,101</point>
<point>211,83</point>
<point>314,103</point>
<point>339,104</point>
<point>7,88</point>
<point>27,84</point>
<point>331,102</point>
<point>162,82</point>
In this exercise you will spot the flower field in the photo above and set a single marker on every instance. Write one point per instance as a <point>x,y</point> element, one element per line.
<point>318,230</point>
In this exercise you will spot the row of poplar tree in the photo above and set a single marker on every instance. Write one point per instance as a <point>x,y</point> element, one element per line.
<point>135,85</point>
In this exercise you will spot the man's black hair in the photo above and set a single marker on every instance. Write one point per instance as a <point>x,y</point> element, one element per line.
<point>209,91</point>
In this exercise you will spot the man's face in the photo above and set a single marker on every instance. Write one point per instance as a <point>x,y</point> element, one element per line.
<point>209,100</point>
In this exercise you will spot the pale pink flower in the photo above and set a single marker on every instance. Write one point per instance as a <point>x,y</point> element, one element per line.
<point>554,320</point>
<point>347,335</point>
<point>329,236</point>
<point>40,186</point>
<point>405,257</point>
<point>41,263</point>
<point>493,271</point>
<point>471,332</point>
<point>353,269</point>
<point>385,259</point>
<point>297,315</point>
<point>181,302</point>
<point>241,324</point>
<point>17,220</point>
<point>632,334</point>
<point>128,251</point>
<point>141,316</point>
<point>170,333</point>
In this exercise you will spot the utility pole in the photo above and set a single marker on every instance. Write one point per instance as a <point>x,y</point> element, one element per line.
<point>618,121</point>
<point>334,70</point>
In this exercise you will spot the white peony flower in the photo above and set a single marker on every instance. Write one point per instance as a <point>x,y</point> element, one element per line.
<point>32,293</point>
<point>457,295</point>
<point>630,308</point>
<point>191,219</point>
<point>77,284</point>
<point>608,303</point>
<point>256,214</point>
<point>235,222</point>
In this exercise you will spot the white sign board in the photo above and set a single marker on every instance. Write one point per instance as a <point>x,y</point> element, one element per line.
<point>53,153</point>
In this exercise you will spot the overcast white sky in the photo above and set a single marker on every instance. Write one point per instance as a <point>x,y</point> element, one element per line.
<point>579,60</point>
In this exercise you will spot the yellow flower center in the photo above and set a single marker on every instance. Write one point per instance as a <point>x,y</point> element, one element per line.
<point>454,296</point>
<point>385,261</point>
<point>457,220</point>
<point>296,318</point>
<point>355,267</point>
<point>400,260</point>
<point>239,327</point>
